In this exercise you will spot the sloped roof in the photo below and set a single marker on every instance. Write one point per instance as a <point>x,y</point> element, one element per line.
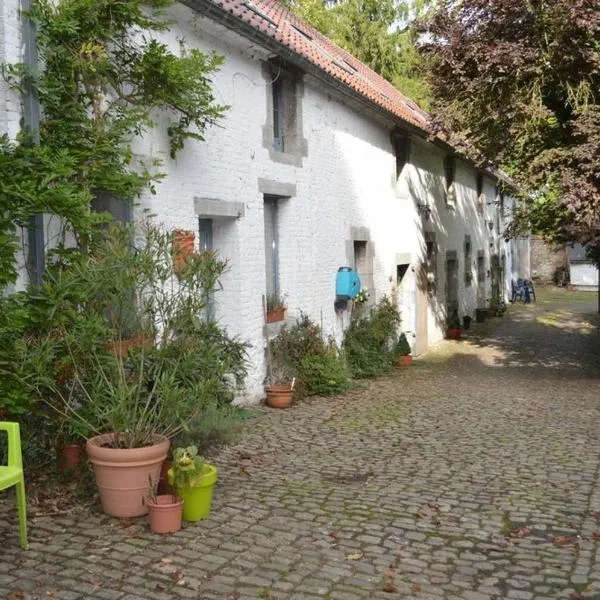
<point>272,19</point>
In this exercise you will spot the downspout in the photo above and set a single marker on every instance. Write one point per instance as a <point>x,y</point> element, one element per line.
<point>31,118</point>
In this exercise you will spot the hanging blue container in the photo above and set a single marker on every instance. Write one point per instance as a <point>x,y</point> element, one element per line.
<point>347,283</point>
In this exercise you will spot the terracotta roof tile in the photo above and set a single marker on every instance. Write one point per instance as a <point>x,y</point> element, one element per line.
<point>279,23</point>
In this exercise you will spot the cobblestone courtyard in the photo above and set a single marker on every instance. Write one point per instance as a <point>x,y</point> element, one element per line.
<point>472,475</point>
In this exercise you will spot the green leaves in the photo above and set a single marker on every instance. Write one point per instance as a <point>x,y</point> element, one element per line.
<point>99,85</point>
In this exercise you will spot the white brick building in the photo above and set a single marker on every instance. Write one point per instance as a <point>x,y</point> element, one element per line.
<point>334,166</point>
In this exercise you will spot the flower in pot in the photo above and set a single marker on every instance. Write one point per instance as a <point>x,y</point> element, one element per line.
<point>194,480</point>
<point>164,510</point>
<point>276,308</point>
<point>494,306</point>
<point>453,331</point>
<point>403,351</point>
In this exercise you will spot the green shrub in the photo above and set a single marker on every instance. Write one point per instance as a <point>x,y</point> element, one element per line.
<point>324,374</point>
<point>402,347</point>
<point>370,340</point>
<point>301,351</point>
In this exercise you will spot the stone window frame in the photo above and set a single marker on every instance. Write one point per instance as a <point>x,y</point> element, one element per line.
<point>291,146</point>
<point>401,143</point>
<point>468,251</point>
<point>367,278</point>
<point>431,256</point>
<point>450,180</point>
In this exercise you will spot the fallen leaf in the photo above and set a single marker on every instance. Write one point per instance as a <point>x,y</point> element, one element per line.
<point>577,596</point>
<point>16,596</point>
<point>415,587</point>
<point>244,456</point>
<point>390,588</point>
<point>434,505</point>
<point>244,472</point>
<point>519,533</point>
<point>423,514</point>
<point>355,556</point>
<point>566,541</point>
<point>180,582</point>
<point>160,586</point>
<point>596,535</point>
<point>166,561</point>
<point>334,538</point>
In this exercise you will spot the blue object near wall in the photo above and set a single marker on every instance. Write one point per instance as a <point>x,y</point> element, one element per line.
<point>347,283</point>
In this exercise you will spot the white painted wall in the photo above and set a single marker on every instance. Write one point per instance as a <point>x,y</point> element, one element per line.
<point>346,180</point>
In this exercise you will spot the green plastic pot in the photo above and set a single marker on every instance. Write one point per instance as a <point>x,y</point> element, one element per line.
<point>197,500</point>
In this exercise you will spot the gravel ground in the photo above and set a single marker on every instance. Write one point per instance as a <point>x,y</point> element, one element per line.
<point>473,475</point>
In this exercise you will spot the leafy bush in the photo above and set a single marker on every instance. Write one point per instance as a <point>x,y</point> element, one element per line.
<point>302,352</point>
<point>369,341</point>
<point>70,355</point>
<point>324,374</point>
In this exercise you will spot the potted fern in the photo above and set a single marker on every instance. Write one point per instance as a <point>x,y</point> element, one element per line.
<point>194,481</point>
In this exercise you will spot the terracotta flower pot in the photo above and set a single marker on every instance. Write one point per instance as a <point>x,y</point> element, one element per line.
<point>70,455</point>
<point>405,361</point>
<point>453,333</point>
<point>276,314</point>
<point>182,248</point>
<point>492,312</point>
<point>279,396</point>
<point>164,513</point>
<point>121,347</point>
<point>122,474</point>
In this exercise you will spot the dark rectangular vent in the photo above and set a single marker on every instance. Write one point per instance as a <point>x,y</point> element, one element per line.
<point>260,13</point>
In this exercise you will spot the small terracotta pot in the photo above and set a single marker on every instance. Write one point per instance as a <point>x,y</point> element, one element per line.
<point>492,312</point>
<point>405,361</point>
<point>164,514</point>
<point>453,333</point>
<point>182,248</point>
<point>279,396</point>
<point>123,474</point>
<point>277,314</point>
<point>70,455</point>
<point>121,347</point>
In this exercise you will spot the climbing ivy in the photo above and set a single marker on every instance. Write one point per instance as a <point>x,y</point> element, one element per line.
<point>103,79</point>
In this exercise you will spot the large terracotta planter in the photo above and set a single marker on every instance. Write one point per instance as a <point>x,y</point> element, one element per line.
<point>123,475</point>
<point>279,396</point>
<point>453,333</point>
<point>164,513</point>
<point>405,361</point>
<point>197,500</point>
<point>276,314</point>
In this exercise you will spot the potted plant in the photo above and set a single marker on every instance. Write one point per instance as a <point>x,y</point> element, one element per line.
<point>494,306</point>
<point>403,351</point>
<point>467,322</point>
<point>129,405</point>
<point>194,480</point>
<point>501,308</point>
<point>481,314</point>
<point>164,510</point>
<point>453,331</point>
<point>275,308</point>
<point>280,378</point>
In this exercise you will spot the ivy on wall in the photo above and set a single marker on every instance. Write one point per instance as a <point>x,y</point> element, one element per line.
<point>103,77</point>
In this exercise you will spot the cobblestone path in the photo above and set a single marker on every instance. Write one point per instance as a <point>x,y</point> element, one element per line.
<point>472,475</point>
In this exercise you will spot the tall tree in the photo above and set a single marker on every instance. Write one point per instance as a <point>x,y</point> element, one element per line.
<point>519,81</point>
<point>378,32</point>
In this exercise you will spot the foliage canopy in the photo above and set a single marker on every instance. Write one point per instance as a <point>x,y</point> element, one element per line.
<point>103,78</point>
<point>520,82</point>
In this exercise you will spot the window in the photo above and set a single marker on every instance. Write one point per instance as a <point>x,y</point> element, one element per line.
<point>283,133</point>
<point>468,261</point>
<point>431,252</point>
<point>278,113</point>
<point>271,210</point>
<point>449,174</point>
<point>401,144</point>
<point>363,265</point>
<point>120,210</point>
<point>480,200</point>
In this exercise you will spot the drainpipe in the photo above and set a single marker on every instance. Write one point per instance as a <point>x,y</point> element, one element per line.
<point>31,118</point>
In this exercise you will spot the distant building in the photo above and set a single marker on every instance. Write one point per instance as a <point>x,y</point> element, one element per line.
<point>584,273</point>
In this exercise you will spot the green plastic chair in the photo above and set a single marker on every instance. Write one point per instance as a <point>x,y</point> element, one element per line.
<point>12,474</point>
